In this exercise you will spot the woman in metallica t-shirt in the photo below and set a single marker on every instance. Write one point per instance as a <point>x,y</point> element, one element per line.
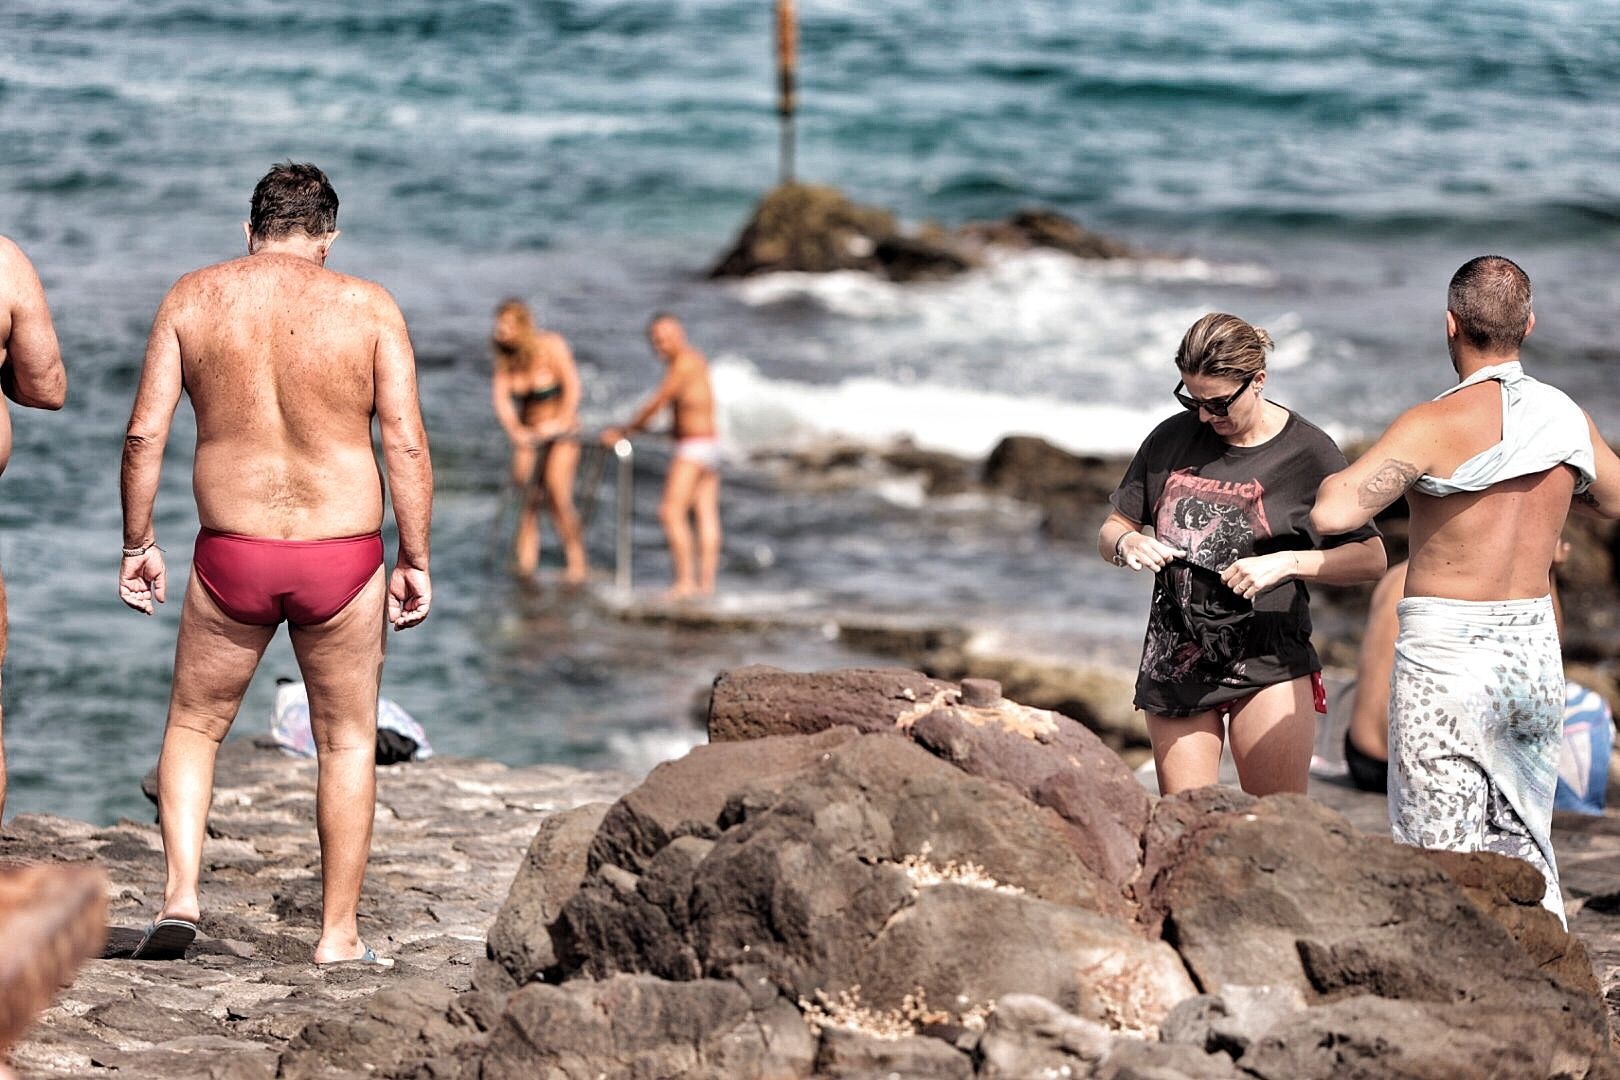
<point>1227,487</point>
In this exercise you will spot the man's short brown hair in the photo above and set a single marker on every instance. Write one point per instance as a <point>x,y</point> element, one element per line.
<point>1490,299</point>
<point>293,197</point>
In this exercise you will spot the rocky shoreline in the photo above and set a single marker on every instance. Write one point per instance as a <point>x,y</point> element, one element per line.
<point>247,1003</point>
<point>865,873</point>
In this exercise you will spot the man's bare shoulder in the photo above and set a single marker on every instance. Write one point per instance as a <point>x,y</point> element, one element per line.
<point>15,270</point>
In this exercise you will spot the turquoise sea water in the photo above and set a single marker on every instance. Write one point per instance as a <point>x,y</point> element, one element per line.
<point>1318,168</point>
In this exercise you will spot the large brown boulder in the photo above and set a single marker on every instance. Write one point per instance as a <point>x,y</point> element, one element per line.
<point>1037,228</point>
<point>1285,892</point>
<point>752,702</point>
<point>1048,758</point>
<point>520,939</point>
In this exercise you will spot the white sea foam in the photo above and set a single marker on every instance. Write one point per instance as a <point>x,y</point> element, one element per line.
<point>767,412</point>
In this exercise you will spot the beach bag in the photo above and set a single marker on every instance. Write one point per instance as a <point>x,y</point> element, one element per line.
<point>399,736</point>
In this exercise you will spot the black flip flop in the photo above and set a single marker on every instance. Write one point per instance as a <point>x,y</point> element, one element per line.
<point>166,939</point>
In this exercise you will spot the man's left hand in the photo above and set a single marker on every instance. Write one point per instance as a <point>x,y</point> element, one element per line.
<point>143,578</point>
<point>410,594</point>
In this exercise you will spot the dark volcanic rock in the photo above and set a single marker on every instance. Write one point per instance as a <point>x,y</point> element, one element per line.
<point>1072,490</point>
<point>686,796</point>
<point>809,881</point>
<point>852,1055</point>
<point>816,229</point>
<point>1286,893</point>
<point>635,1026</point>
<point>1054,762</point>
<point>751,702</point>
<point>1376,1037</point>
<point>1048,758</point>
<point>1034,228</point>
<point>1029,1036</point>
<point>550,873</point>
<point>807,227</point>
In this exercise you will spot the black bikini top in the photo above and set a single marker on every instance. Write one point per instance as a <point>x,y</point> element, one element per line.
<point>537,395</point>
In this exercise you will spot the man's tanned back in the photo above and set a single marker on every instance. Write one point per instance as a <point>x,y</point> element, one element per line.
<point>277,356</point>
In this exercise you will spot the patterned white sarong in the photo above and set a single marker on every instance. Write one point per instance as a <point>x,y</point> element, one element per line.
<point>1476,714</point>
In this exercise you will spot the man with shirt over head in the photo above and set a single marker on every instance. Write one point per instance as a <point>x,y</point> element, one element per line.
<point>1489,469</point>
<point>286,364</point>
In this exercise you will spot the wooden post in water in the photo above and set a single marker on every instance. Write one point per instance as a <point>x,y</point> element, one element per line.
<point>787,63</point>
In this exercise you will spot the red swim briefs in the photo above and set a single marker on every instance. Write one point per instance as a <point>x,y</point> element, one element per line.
<point>262,581</point>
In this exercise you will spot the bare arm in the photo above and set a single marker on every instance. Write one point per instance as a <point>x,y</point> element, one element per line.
<point>1119,534</point>
<point>1347,564</point>
<point>1602,499</point>
<point>33,374</point>
<point>410,469</point>
<point>500,397</point>
<point>661,399</point>
<point>142,576</point>
<point>1353,496</point>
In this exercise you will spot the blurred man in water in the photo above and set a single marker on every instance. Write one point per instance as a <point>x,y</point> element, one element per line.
<point>31,374</point>
<point>692,490</point>
<point>286,364</point>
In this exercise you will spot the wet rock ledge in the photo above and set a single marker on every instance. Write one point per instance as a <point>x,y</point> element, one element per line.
<point>865,873</point>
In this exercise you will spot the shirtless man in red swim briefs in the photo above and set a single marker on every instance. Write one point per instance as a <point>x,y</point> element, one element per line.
<point>286,364</point>
<point>692,489</point>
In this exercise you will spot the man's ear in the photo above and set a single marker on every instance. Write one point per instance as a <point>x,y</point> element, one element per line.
<point>327,242</point>
<point>1451,324</point>
<point>1531,325</point>
<point>247,232</point>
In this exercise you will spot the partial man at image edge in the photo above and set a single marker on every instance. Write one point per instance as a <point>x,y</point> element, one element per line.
<point>31,374</point>
<point>286,364</point>
<point>692,489</point>
<point>1491,468</point>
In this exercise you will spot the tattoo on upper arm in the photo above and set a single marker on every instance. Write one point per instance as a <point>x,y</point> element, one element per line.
<point>1387,484</point>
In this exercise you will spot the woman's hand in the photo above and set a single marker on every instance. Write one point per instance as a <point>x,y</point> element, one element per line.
<point>1142,551</point>
<point>1252,576</point>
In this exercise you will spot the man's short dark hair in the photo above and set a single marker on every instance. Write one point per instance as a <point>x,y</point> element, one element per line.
<point>658,317</point>
<point>1490,298</point>
<point>293,197</point>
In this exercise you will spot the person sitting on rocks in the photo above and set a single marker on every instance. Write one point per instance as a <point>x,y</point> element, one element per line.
<point>1227,486</point>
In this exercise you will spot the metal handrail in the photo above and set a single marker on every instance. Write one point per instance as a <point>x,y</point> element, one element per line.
<point>625,547</point>
<point>624,519</point>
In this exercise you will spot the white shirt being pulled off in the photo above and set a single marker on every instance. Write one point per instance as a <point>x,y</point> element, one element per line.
<point>1541,427</point>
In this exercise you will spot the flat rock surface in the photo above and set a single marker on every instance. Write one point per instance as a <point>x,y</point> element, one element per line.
<point>449,836</point>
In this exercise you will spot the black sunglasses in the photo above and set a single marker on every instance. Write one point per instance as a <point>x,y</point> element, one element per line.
<point>1214,406</point>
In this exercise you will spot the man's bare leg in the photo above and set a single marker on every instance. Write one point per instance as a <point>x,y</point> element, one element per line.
<point>561,465</point>
<point>1272,733</point>
<point>5,633</point>
<point>341,661</point>
<point>214,658</point>
<point>673,513</point>
<point>706,512</point>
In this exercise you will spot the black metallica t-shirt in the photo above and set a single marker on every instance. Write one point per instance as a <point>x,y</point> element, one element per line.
<point>1219,503</point>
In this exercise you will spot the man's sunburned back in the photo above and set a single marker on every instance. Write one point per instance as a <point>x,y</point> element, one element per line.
<point>693,401</point>
<point>277,357</point>
<point>1495,544</point>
